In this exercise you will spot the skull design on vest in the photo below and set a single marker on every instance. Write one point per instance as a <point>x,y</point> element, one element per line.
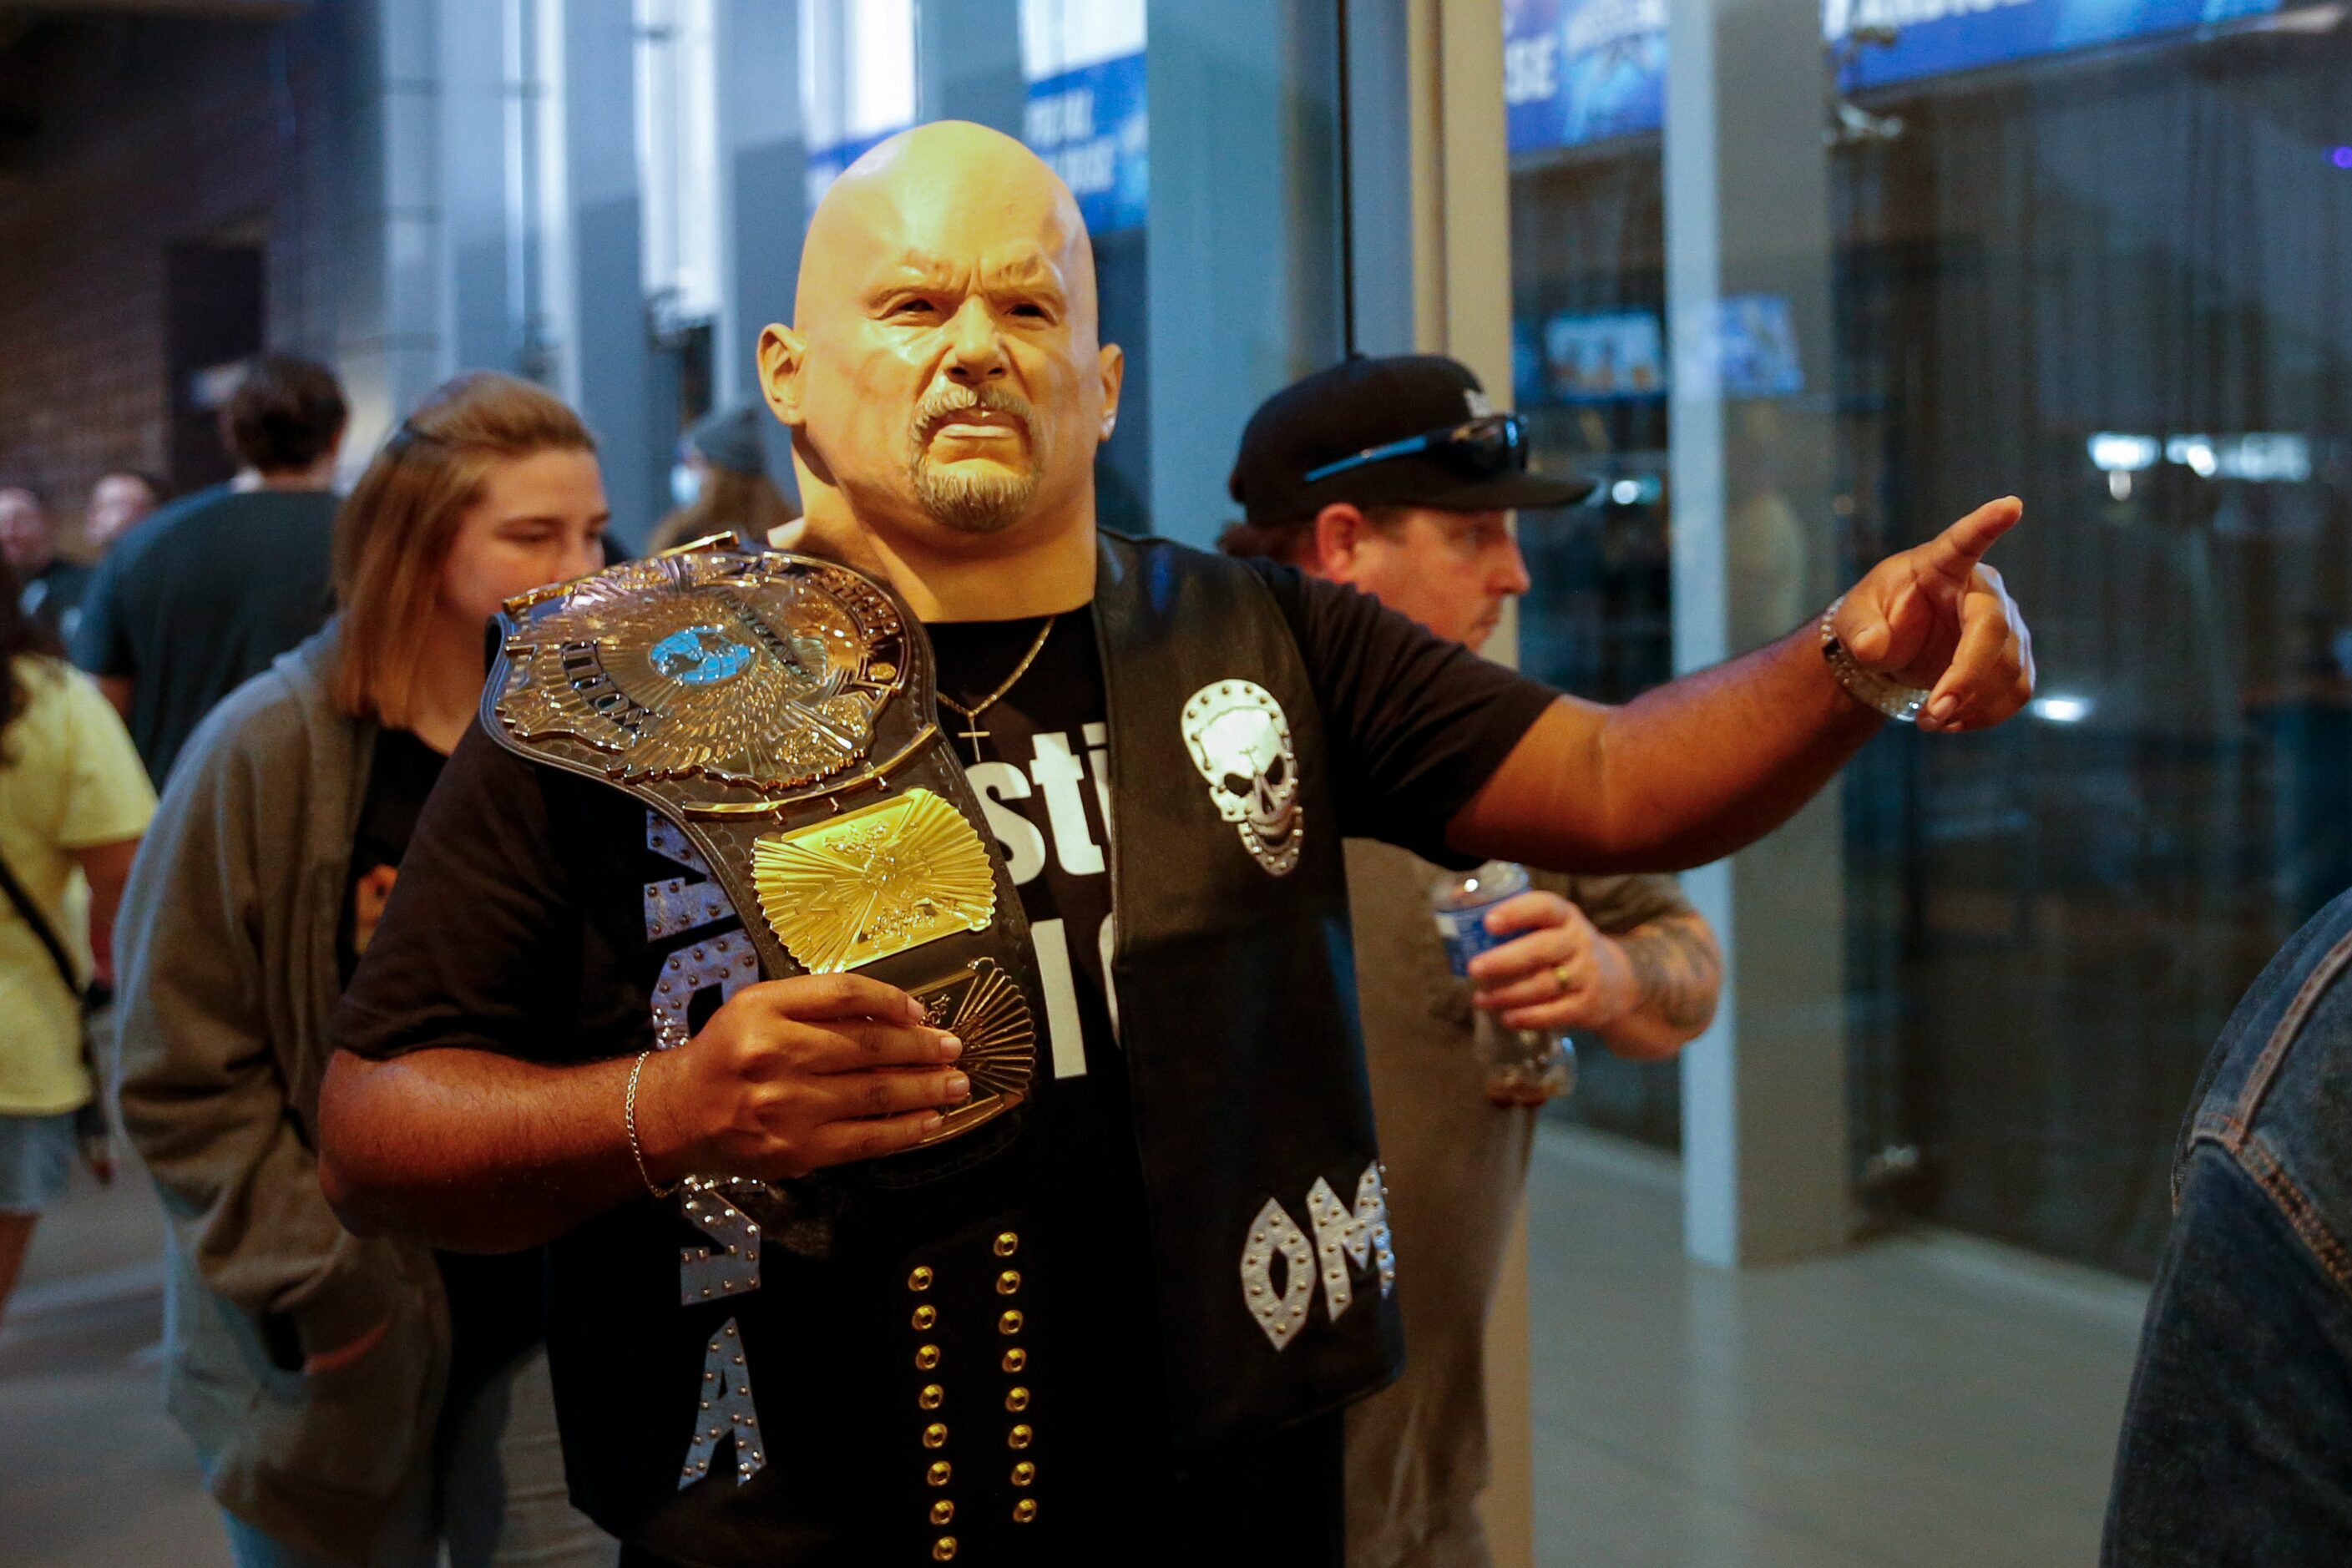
<point>1239,741</point>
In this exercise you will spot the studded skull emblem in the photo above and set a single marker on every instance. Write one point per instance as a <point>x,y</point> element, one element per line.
<point>1240,742</point>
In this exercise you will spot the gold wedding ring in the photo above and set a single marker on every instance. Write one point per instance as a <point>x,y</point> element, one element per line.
<point>1559,974</point>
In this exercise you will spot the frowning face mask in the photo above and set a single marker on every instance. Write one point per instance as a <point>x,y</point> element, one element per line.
<point>942,374</point>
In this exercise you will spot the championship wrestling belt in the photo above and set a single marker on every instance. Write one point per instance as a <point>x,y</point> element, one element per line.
<point>779,711</point>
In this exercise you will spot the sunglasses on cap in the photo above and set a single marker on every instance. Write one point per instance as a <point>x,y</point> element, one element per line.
<point>1489,445</point>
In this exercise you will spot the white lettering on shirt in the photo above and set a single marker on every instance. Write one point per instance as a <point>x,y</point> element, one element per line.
<point>1358,1236</point>
<point>726,961</point>
<point>1058,774</point>
<point>1061,999</point>
<point>676,904</point>
<point>1025,847</point>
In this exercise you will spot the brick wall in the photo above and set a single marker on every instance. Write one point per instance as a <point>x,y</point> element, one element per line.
<point>149,132</point>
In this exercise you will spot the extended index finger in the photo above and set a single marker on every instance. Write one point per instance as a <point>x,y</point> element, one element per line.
<point>1956,551</point>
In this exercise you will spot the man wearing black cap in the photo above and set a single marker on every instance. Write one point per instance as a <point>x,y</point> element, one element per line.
<point>1623,958</point>
<point>1393,475</point>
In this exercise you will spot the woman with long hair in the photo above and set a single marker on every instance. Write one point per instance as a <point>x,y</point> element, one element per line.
<point>358,1400</point>
<point>73,801</point>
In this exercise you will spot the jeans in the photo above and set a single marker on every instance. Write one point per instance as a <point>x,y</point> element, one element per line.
<point>492,1491</point>
<point>36,1156</point>
<point>2237,1439</point>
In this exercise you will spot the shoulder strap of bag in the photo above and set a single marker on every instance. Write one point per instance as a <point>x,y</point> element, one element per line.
<point>33,917</point>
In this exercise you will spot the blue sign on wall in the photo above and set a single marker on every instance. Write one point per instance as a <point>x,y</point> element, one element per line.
<point>1938,35</point>
<point>1579,70</point>
<point>1620,356</point>
<point>1603,356</point>
<point>1090,124</point>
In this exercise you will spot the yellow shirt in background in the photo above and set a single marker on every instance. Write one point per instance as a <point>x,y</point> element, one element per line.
<point>69,779</point>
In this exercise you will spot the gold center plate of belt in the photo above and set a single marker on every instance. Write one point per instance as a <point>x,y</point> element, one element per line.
<point>857,888</point>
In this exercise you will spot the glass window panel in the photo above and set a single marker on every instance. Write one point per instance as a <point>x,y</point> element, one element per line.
<point>678,159</point>
<point>1582,86</point>
<point>2091,253</point>
<point>858,80</point>
<point>2111,280</point>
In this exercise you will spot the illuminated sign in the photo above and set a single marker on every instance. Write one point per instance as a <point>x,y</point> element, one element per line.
<point>1932,37</point>
<point>1615,356</point>
<point>1582,70</point>
<point>1091,125</point>
<point>1598,357</point>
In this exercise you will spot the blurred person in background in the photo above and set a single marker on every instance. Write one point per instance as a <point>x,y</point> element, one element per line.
<point>49,588</point>
<point>121,500</point>
<point>721,486</point>
<point>73,802</point>
<point>355,1401</point>
<point>1624,958</point>
<point>208,591</point>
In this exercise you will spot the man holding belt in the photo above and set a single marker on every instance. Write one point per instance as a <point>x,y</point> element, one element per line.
<point>1116,1317</point>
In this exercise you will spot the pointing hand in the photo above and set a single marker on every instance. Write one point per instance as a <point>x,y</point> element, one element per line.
<point>1936,616</point>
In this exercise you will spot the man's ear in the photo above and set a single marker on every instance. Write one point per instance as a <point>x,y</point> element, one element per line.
<point>782,352</point>
<point>1336,542</point>
<point>1113,360</point>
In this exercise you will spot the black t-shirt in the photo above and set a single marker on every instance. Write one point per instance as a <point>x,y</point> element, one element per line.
<point>522,926</point>
<point>200,599</point>
<point>1037,767</point>
<point>495,1310</point>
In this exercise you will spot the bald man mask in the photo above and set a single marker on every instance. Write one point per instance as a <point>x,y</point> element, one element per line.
<point>943,379</point>
<point>734,902</point>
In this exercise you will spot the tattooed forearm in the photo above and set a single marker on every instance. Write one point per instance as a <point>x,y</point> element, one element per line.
<point>1678,969</point>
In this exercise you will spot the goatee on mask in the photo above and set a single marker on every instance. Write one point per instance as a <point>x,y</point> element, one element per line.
<point>965,500</point>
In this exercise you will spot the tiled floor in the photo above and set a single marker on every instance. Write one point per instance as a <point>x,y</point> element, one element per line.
<point>1916,1403</point>
<point>91,1470</point>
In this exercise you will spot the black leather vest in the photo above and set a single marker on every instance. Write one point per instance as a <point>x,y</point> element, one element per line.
<point>1237,1007</point>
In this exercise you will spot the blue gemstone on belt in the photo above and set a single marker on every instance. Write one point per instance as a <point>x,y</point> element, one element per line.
<point>700,655</point>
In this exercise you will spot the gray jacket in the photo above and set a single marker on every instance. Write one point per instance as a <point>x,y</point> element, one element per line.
<point>227,972</point>
<point>1417,1450</point>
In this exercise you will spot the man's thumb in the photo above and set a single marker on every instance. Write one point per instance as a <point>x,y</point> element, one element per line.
<point>1878,643</point>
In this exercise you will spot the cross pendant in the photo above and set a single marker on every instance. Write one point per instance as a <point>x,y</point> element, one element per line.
<point>975,735</point>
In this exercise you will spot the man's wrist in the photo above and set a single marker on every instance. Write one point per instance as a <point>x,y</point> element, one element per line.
<point>663,1147</point>
<point>1622,983</point>
<point>1879,694</point>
